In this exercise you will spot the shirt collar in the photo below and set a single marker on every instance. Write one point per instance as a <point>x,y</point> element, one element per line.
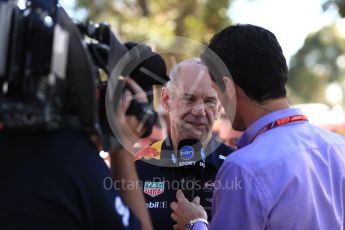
<point>255,127</point>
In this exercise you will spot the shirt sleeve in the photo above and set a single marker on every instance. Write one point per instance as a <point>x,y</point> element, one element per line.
<point>239,200</point>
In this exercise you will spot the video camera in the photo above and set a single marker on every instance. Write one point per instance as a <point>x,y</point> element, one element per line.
<point>50,70</point>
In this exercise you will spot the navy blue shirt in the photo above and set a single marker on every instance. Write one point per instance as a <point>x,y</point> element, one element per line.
<point>57,181</point>
<point>161,181</point>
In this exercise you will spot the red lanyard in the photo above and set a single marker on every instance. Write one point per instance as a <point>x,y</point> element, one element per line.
<point>280,122</point>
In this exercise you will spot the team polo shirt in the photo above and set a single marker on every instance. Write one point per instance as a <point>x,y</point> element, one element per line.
<point>160,180</point>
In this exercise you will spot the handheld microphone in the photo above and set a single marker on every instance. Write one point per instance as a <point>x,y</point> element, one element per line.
<point>191,164</point>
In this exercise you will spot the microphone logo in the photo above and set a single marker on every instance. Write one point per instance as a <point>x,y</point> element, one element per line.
<point>187,153</point>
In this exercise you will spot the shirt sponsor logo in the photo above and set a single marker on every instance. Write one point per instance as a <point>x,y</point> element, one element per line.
<point>187,153</point>
<point>122,210</point>
<point>173,158</point>
<point>153,188</point>
<point>157,204</point>
<point>202,154</point>
<point>222,157</point>
<point>147,153</point>
<point>207,208</point>
<point>209,200</point>
<point>186,163</point>
<point>209,185</point>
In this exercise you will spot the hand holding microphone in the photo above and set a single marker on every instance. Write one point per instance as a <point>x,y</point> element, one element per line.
<point>191,164</point>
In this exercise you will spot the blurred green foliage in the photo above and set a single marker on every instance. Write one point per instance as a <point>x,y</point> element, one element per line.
<point>318,63</point>
<point>145,19</point>
<point>315,65</point>
<point>142,20</point>
<point>340,4</point>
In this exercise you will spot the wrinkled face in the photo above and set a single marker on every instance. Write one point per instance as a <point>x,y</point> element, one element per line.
<point>193,104</point>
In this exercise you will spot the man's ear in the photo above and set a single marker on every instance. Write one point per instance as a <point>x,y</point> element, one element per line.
<point>165,99</point>
<point>231,91</point>
<point>230,86</point>
<point>219,110</point>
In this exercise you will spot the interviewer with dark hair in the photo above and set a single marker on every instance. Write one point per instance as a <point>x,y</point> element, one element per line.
<point>290,172</point>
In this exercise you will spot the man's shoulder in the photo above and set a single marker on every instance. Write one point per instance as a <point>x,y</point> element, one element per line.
<point>273,147</point>
<point>329,136</point>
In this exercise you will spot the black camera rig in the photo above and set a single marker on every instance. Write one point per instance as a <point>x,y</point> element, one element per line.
<point>49,71</point>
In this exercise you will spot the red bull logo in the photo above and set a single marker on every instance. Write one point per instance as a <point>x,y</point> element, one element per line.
<point>149,152</point>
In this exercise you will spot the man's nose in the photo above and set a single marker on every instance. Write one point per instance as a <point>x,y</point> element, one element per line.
<point>199,109</point>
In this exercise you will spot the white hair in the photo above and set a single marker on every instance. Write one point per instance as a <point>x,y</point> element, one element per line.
<point>175,70</point>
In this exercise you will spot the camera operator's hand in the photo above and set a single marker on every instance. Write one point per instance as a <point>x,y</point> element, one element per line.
<point>122,164</point>
<point>129,126</point>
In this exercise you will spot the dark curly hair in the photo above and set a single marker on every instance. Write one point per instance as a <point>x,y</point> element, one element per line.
<point>254,58</point>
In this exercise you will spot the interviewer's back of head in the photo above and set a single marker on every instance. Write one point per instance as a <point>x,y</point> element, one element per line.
<point>255,60</point>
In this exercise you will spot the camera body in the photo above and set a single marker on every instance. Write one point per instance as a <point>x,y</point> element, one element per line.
<point>49,71</point>
<point>31,95</point>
